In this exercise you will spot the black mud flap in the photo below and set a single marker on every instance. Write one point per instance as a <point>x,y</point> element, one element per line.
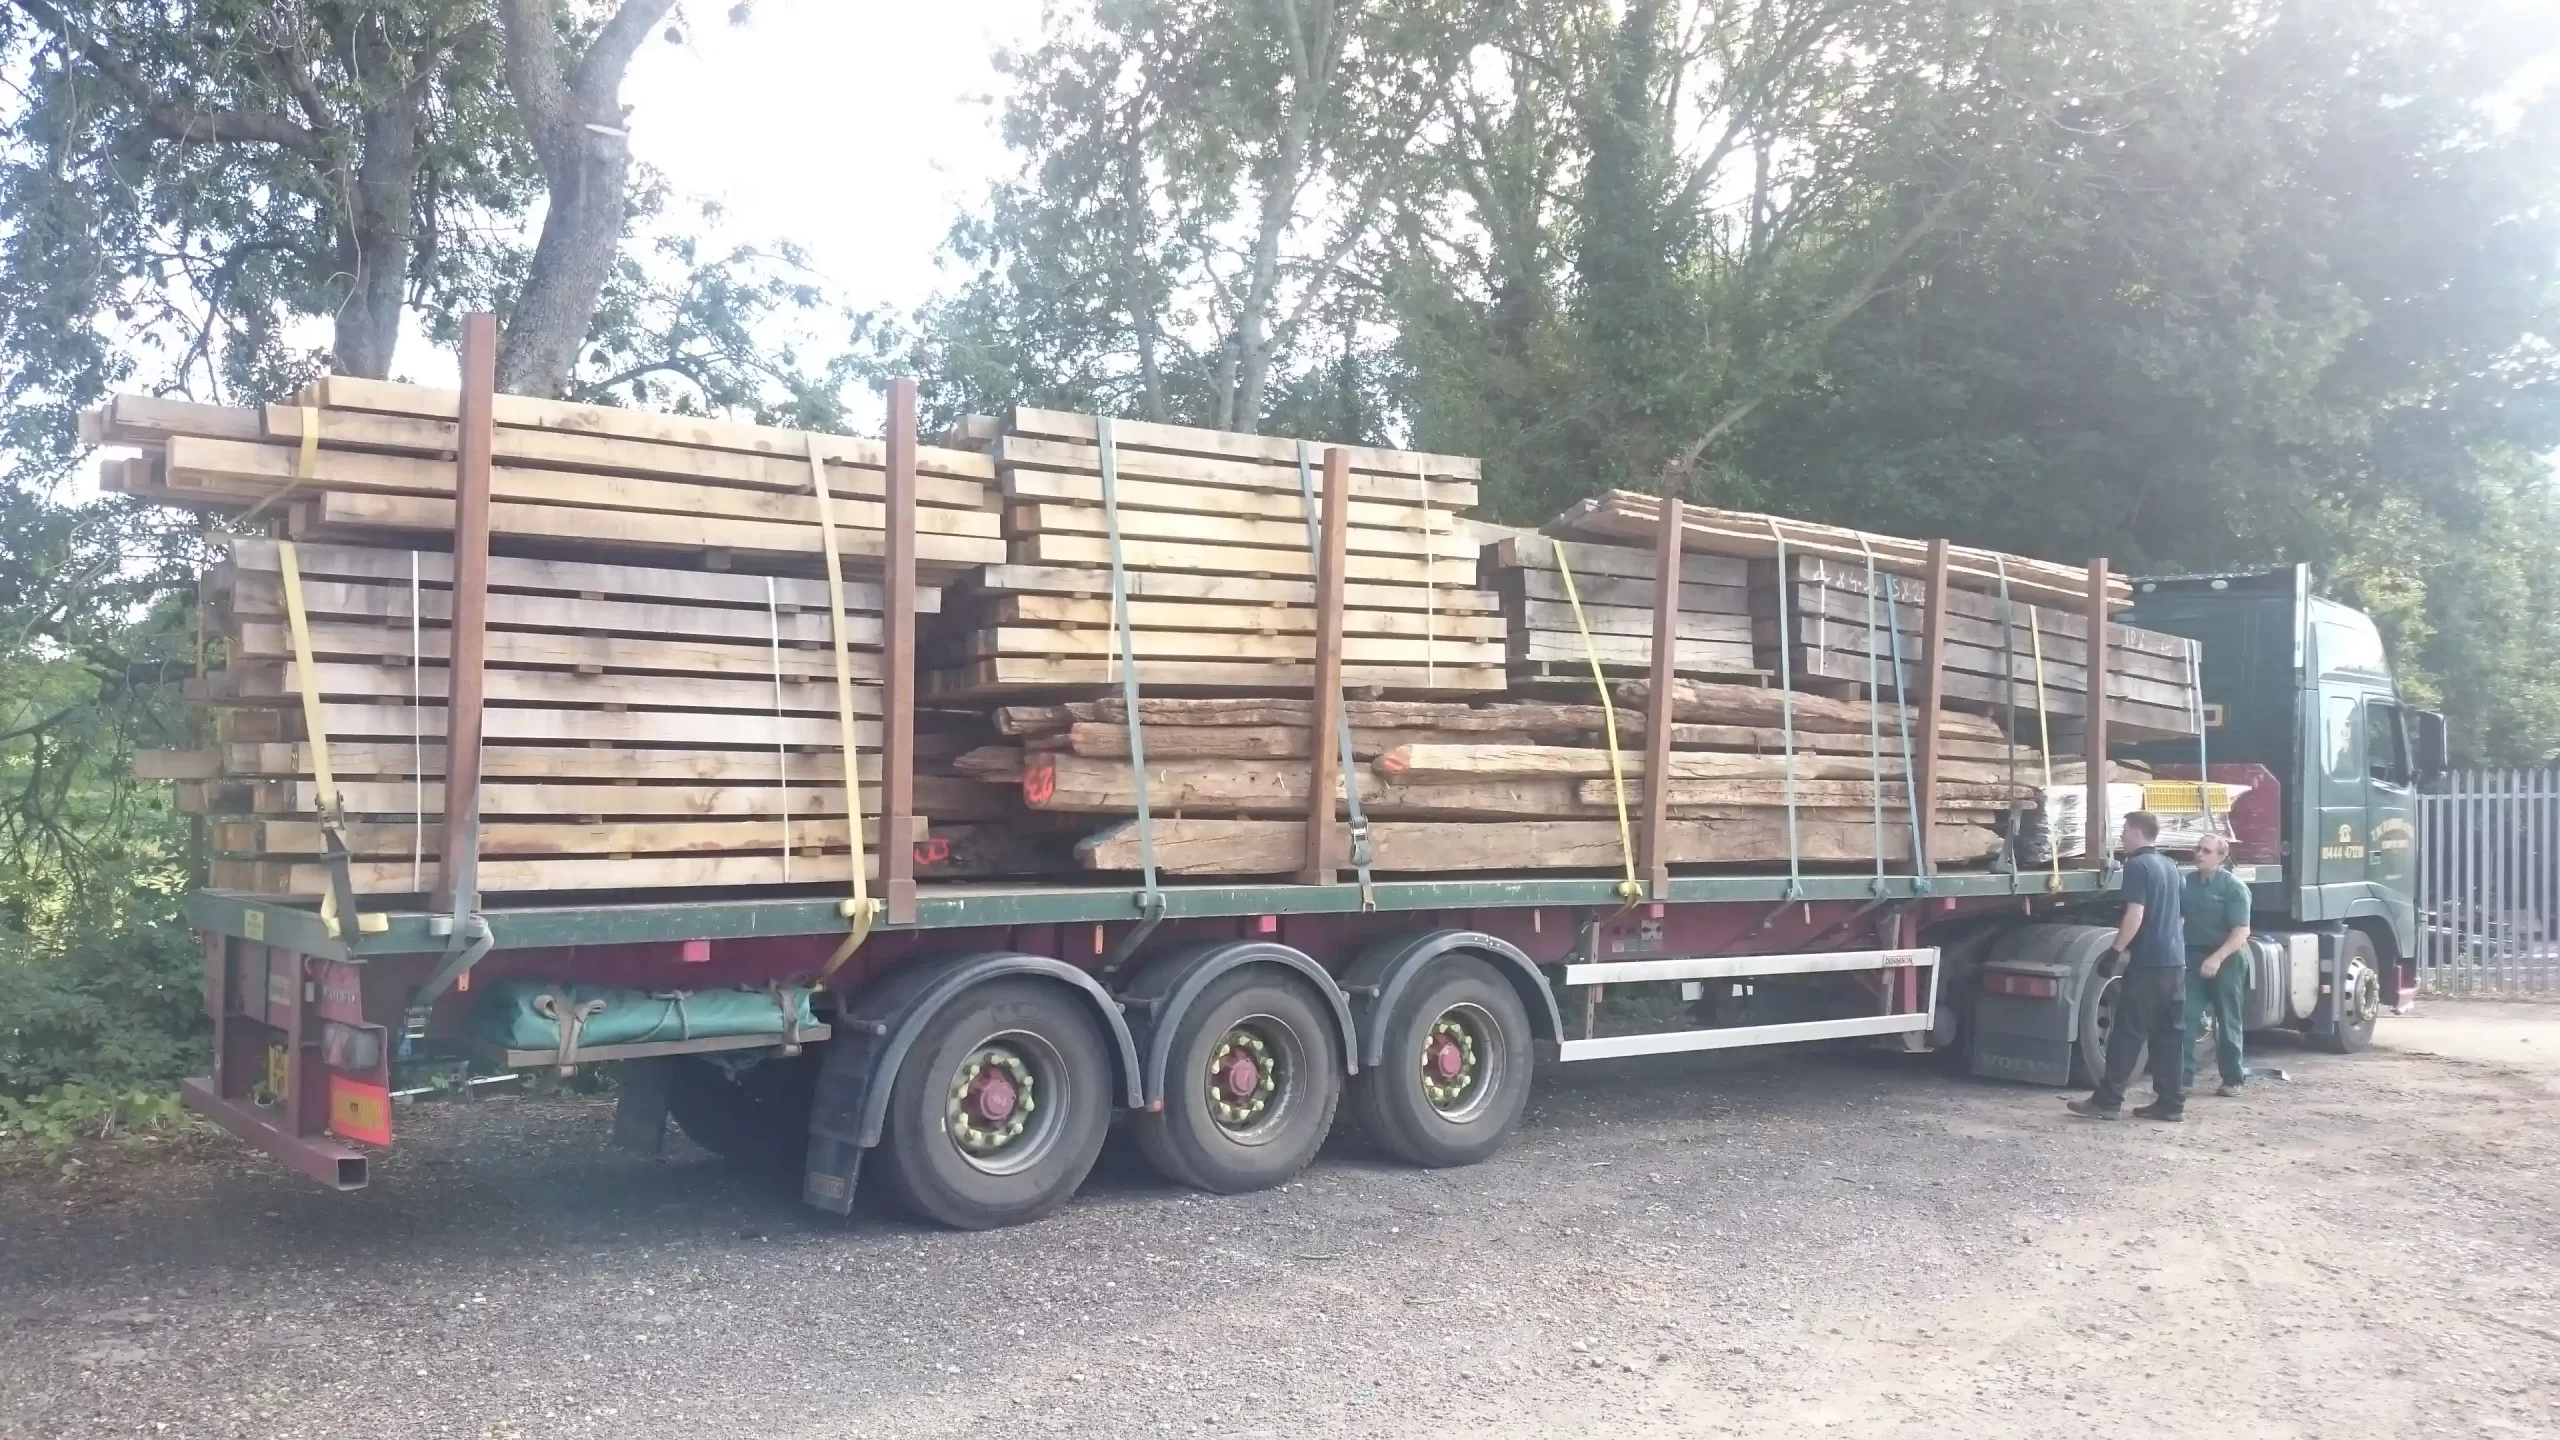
<point>2018,1038</point>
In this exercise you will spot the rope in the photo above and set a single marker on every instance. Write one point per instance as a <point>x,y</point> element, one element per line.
<point>1629,889</point>
<point>1787,717</point>
<point>781,747</point>
<point>1150,898</point>
<point>1902,726</point>
<point>1341,711</point>
<point>2044,748</point>
<point>861,910</point>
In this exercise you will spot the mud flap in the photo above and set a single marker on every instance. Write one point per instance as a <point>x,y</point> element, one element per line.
<point>640,1105</point>
<point>2017,1038</point>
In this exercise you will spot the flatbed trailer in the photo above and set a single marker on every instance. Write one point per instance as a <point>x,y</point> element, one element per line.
<point>979,1037</point>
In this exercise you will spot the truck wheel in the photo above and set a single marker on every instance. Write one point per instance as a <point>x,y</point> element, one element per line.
<point>1456,1072</point>
<point>756,1117</point>
<point>2099,998</point>
<point>1251,1084</point>
<point>2359,996</point>
<point>999,1108</point>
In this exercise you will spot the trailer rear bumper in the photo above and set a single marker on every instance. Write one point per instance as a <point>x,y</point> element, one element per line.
<point>336,1166</point>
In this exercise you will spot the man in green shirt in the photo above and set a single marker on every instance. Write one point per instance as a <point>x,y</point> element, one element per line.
<point>2215,906</point>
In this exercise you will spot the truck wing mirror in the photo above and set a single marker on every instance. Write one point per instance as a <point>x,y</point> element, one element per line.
<point>2431,759</point>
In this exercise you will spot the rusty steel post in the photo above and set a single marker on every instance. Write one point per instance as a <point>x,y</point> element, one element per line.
<point>1324,754</point>
<point>1653,845</point>
<point>467,660</point>
<point>898,685</point>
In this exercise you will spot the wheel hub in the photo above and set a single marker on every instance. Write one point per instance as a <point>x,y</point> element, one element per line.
<point>1448,1062</point>
<point>1242,1079</point>
<point>991,1101</point>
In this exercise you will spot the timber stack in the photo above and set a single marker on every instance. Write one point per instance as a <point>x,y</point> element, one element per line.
<point>1215,541</point>
<point>660,699</point>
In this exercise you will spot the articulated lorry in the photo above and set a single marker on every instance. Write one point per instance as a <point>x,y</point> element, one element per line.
<point>973,1051</point>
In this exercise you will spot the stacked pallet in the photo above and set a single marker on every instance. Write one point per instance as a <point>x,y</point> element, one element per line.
<point>660,699</point>
<point>1220,573</point>
<point>1504,785</point>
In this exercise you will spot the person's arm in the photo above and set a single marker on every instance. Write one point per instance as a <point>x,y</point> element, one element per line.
<point>2127,928</point>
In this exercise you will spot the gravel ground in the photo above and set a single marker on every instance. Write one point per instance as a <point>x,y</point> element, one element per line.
<point>1798,1244</point>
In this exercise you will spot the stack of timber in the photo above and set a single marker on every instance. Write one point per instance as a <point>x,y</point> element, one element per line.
<point>2016,629</point>
<point>661,704</point>
<point>1220,571</point>
<point>1503,785</point>
<point>643,727</point>
<point>1540,578</point>
<point>371,462</point>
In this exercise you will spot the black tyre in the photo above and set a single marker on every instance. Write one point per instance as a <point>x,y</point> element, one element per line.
<point>999,1109</point>
<point>2100,995</point>
<point>2359,996</point>
<point>1455,1077</point>
<point>1251,1085</point>
<point>756,1117</point>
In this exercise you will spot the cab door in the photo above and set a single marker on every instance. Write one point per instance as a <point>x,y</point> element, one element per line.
<point>2390,788</point>
<point>2337,846</point>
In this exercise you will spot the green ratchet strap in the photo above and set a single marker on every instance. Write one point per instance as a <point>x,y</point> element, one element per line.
<point>1902,725</point>
<point>1786,715</point>
<point>1151,896</point>
<point>2009,703</point>
<point>1360,849</point>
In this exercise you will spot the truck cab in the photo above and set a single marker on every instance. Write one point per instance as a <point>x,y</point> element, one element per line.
<point>2299,687</point>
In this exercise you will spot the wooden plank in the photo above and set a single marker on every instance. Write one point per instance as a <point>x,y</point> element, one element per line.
<point>1704,702</point>
<point>1268,449</point>
<point>176,764</point>
<point>286,838</point>
<point>1632,652</point>
<point>1007,640</point>
<point>1453,763</point>
<point>1055,781</point>
<point>191,459</point>
<point>529,412</point>
<point>1081,485</point>
<point>1186,846</point>
<point>1211,528</point>
<point>1365,714</point>
<point>995,676</point>
<point>360,511</point>
<point>1534,554</point>
<point>1850,638</point>
<point>389,645</point>
<point>281,683</point>
<point>1028,460</point>
<point>602,455</point>
<point>514,874</point>
<point>262,596</point>
<point>396,759</point>
<point>1086,550</point>
<point>1840,593</point>
<point>1859,795</point>
<point>1076,613</point>
<point>502,797</point>
<point>2097,849</point>
<point>1081,580</point>
<point>1253,742</point>
<point>350,721</point>
<point>1625,620</point>
<point>391,566</point>
<point>150,419</point>
<point>1517,586</point>
<point>2137,720</point>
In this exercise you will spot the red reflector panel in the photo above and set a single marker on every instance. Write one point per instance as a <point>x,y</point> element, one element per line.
<point>2025,987</point>
<point>359,1111</point>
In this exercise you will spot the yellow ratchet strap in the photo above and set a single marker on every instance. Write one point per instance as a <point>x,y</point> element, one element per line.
<point>1629,889</point>
<point>2044,747</point>
<point>862,910</point>
<point>305,461</point>
<point>316,727</point>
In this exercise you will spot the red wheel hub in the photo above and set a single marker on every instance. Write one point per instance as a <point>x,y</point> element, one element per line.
<point>1445,1060</point>
<point>1239,1075</point>
<point>993,1095</point>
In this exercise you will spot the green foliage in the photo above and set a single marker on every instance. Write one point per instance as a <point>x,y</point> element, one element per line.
<point>63,1120</point>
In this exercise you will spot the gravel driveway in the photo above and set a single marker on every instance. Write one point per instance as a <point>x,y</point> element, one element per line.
<point>1795,1243</point>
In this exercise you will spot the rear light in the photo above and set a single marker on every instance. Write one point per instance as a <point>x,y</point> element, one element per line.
<point>2025,987</point>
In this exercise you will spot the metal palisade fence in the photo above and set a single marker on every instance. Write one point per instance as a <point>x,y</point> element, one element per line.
<point>2488,889</point>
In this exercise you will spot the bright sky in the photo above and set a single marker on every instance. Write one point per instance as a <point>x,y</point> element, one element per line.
<point>859,129</point>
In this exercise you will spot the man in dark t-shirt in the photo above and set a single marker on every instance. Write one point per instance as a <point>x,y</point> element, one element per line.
<point>2151,1000</point>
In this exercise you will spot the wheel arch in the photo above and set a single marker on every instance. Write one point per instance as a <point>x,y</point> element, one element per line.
<point>1380,974</point>
<point>1166,987</point>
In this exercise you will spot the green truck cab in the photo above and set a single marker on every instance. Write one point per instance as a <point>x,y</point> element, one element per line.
<point>2301,687</point>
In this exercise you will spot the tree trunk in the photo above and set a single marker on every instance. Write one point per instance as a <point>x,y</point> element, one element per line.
<point>574,117</point>
<point>1246,368</point>
<point>377,238</point>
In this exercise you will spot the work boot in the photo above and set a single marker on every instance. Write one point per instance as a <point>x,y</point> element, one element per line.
<point>2157,1111</point>
<point>2090,1109</point>
<point>2231,1089</point>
